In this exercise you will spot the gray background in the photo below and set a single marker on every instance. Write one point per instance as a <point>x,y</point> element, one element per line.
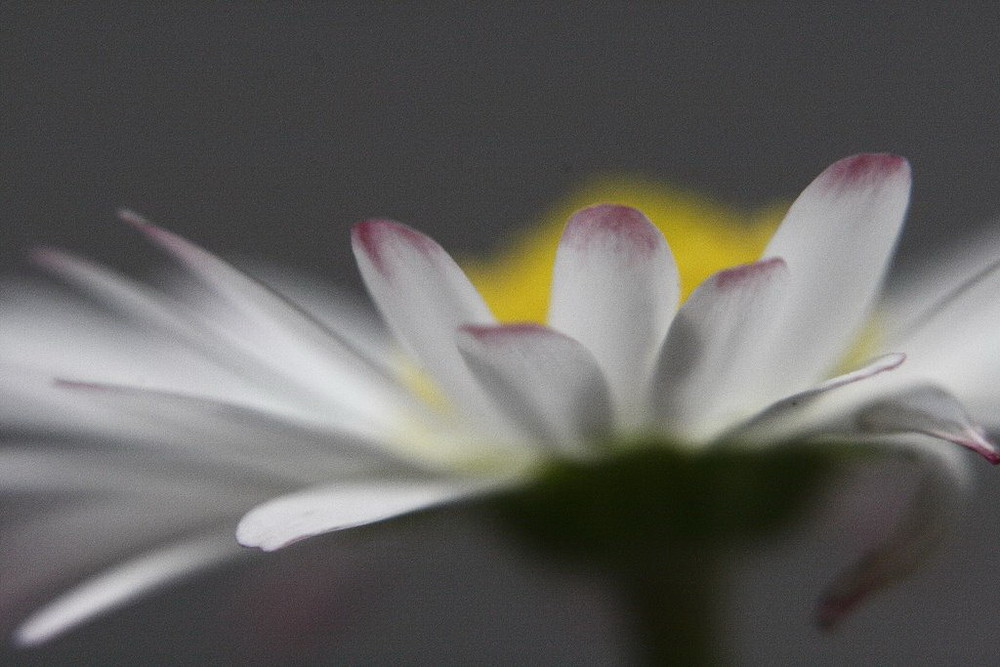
<point>267,130</point>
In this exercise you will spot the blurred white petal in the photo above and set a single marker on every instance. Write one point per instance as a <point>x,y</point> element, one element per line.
<point>282,521</point>
<point>934,507</point>
<point>122,584</point>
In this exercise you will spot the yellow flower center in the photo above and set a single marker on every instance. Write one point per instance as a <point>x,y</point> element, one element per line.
<point>705,237</point>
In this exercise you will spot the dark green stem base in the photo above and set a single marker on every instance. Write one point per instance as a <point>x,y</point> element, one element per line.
<point>673,610</point>
<point>660,520</point>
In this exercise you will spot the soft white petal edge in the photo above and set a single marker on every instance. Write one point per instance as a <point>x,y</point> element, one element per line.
<point>615,289</point>
<point>296,516</point>
<point>122,584</point>
<point>424,297</point>
<point>547,382</point>
<point>932,411</point>
<point>794,415</point>
<point>940,493</point>
<point>294,341</point>
<point>837,240</point>
<point>708,373</point>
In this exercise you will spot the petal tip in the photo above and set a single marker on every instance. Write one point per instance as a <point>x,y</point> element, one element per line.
<point>130,217</point>
<point>851,589</point>
<point>47,257</point>
<point>866,168</point>
<point>624,225</point>
<point>486,332</point>
<point>159,235</point>
<point>738,276</point>
<point>29,636</point>
<point>249,535</point>
<point>974,439</point>
<point>371,237</point>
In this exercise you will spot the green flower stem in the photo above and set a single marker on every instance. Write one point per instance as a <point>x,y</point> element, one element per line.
<point>660,519</point>
<point>673,608</point>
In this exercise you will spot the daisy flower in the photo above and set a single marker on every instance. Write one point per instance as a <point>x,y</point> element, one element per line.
<point>157,423</point>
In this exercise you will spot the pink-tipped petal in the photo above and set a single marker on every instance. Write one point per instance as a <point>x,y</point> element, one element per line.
<point>615,289</point>
<point>933,508</point>
<point>293,517</point>
<point>932,411</point>
<point>547,382</point>
<point>709,373</point>
<point>837,240</point>
<point>424,297</point>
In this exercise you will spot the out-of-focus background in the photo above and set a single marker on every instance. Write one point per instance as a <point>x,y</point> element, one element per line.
<point>266,130</point>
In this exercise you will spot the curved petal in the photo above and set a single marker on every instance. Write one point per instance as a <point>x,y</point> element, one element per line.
<point>615,289</point>
<point>799,414</point>
<point>296,516</point>
<point>709,372</point>
<point>929,410</point>
<point>237,436</point>
<point>933,508</point>
<point>181,320</point>
<point>547,382</point>
<point>846,409</point>
<point>424,297</point>
<point>939,276</point>
<point>124,583</point>
<point>95,524</point>
<point>255,317</point>
<point>953,342</point>
<point>837,240</point>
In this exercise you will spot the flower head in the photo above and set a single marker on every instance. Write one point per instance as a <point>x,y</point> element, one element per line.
<point>228,397</point>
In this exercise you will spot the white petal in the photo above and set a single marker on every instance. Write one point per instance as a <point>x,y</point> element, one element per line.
<point>615,289</point>
<point>282,521</point>
<point>352,315</point>
<point>934,507</point>
<point>548,382</point>
<point>28,468</point>
<point>816,408</point>
<point>98,528</point>
<point>114,289</point>
<point>931,411</point>
<point>424,297</point>
<point>291,340</point>
<point>953,341</point>
<point>151,310</point>
<point>837,240</point>
<point>709,373</point>
<point>939,276</point>
<point>47,331</point>
<point>237,436</point>
<point>122,584</point>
